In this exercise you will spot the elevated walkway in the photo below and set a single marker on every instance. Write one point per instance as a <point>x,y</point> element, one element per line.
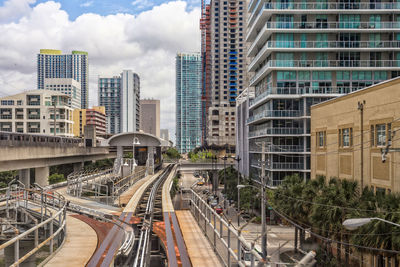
<point>79,245</point>
<point>199,249</point>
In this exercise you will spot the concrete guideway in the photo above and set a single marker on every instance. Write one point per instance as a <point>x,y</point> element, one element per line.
<point>140,187</point>
<point>79,245</point>
<point>199,249</point>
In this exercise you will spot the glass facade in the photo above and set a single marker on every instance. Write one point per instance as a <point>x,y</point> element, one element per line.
<point>300,58</point>
<point>188,101</point>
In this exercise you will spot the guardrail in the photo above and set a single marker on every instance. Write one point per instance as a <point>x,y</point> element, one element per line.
<point>201,210</point>
<point>52,212</point>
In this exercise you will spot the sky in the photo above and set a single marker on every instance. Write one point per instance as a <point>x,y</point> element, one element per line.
<point>140,35</point>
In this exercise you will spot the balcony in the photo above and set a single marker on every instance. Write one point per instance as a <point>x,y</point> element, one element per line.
<point>267,114</point>
<point>305,5</point>
<point>335,91</point>
<point>276,131</point>
<point>279,166</point>
<point>283,149</point>
<point>301,46</point>
<point>324,65</point>
<point>298,26</point>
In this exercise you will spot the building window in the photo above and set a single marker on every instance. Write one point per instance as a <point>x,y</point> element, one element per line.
<point>346,137</point>
<point>321,139</point>
<point>381,134</point>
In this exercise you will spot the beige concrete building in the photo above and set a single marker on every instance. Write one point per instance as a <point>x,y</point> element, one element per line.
<point>150,116</point>
<point>94,116</point>
<point>336,146</point>
<point>33,112</point>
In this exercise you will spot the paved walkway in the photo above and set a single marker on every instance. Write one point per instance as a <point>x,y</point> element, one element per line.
<point>199,249</point>
<point>79,246</point>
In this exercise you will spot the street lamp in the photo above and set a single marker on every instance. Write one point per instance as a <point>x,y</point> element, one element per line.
<point>135,141</point>
<point>263,218</point>
<point>353,224</point>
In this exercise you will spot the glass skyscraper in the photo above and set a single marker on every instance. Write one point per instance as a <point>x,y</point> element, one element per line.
<point>188,101</point>
<point>52,64</point>
<point>305,52</point>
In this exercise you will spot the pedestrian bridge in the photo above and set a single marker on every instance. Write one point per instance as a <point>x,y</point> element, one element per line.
<point>186,166</point>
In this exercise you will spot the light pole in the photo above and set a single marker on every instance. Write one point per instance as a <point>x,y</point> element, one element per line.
<point>238,183</point>
<point>135,141</point>
<point>353,224</point>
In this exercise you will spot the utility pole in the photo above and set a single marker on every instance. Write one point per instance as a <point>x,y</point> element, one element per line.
<point>361,109</point>
<point>263,206</point>
<point>238,183</point>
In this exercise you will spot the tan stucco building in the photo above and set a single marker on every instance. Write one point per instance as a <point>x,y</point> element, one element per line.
<point>336,137</point>
<point>93,116</point>
<point>150,116</point>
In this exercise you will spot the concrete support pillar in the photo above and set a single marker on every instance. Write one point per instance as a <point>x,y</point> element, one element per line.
<point>150,160</point>
<point>25,177</point>
<point>120,152</point>
<point>78,166</point>
<point>42,176</point>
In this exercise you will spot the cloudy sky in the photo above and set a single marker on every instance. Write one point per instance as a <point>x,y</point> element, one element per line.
<point>142,35</point>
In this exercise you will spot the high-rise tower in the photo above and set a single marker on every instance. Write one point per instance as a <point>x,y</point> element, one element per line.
<point>226,77</point>
<point>52,64</point>
<point>306,52</point>
<point>120,95</point>
<point>188,101</point>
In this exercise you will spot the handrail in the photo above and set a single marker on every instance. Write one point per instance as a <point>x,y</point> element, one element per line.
<point>58,216</point>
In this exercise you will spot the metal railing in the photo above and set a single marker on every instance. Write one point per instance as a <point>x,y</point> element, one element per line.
<point>276,131</point>
<point>52,213</point>
<point>224,232</point>
<point>353,6</point>
<point>301,91</point>
<point>275,113</point>
<point>320,64</point>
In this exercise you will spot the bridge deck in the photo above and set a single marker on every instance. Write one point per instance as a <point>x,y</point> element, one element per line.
<point>167,204</point>
<point>79,246</point>
<point>199,249</point>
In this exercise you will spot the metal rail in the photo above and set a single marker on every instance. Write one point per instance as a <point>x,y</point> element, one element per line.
<point>201,210</point>
<point>142,252</point>
<point>52,206</point>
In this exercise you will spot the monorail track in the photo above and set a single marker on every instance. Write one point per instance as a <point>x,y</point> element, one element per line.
<point>149,211</point>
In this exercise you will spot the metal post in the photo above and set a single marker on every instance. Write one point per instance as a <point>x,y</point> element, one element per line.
<point>238,183</point>
<point>215,233</point>
<point>263,206</point>
<point>229,244</point>
<point>52,239</point>
<point>361,108</point>
<point>239,254</point>
<point>16,251</point>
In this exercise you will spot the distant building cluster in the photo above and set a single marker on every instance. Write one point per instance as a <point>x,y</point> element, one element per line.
<point>63,86</point>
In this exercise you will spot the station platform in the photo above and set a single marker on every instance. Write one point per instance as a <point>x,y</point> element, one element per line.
<point>79,246</point>
<point>200,252</point>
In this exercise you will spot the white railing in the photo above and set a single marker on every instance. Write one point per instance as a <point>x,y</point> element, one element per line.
<point>275,113</point>
<point>52,208</point>
<point>276,131</point>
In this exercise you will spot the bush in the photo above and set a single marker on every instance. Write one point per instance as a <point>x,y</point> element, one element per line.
<point>56,178</point>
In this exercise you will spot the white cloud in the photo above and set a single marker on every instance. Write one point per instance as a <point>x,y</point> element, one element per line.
<point>146,43</point>
<point>87,4</point>
<point>14,9</point>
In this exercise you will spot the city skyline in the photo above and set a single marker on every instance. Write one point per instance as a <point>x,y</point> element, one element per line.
<point>149,51</point>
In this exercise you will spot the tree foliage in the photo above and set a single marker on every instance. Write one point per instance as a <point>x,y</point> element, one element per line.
<point>56,178</point>
<point>172,153</point>
<point>6,177</point>
<point>323,206</point>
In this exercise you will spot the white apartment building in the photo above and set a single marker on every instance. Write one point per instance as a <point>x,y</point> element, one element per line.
<point>68,86</point>
<point>303,53</point>
<point>33,112</point>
